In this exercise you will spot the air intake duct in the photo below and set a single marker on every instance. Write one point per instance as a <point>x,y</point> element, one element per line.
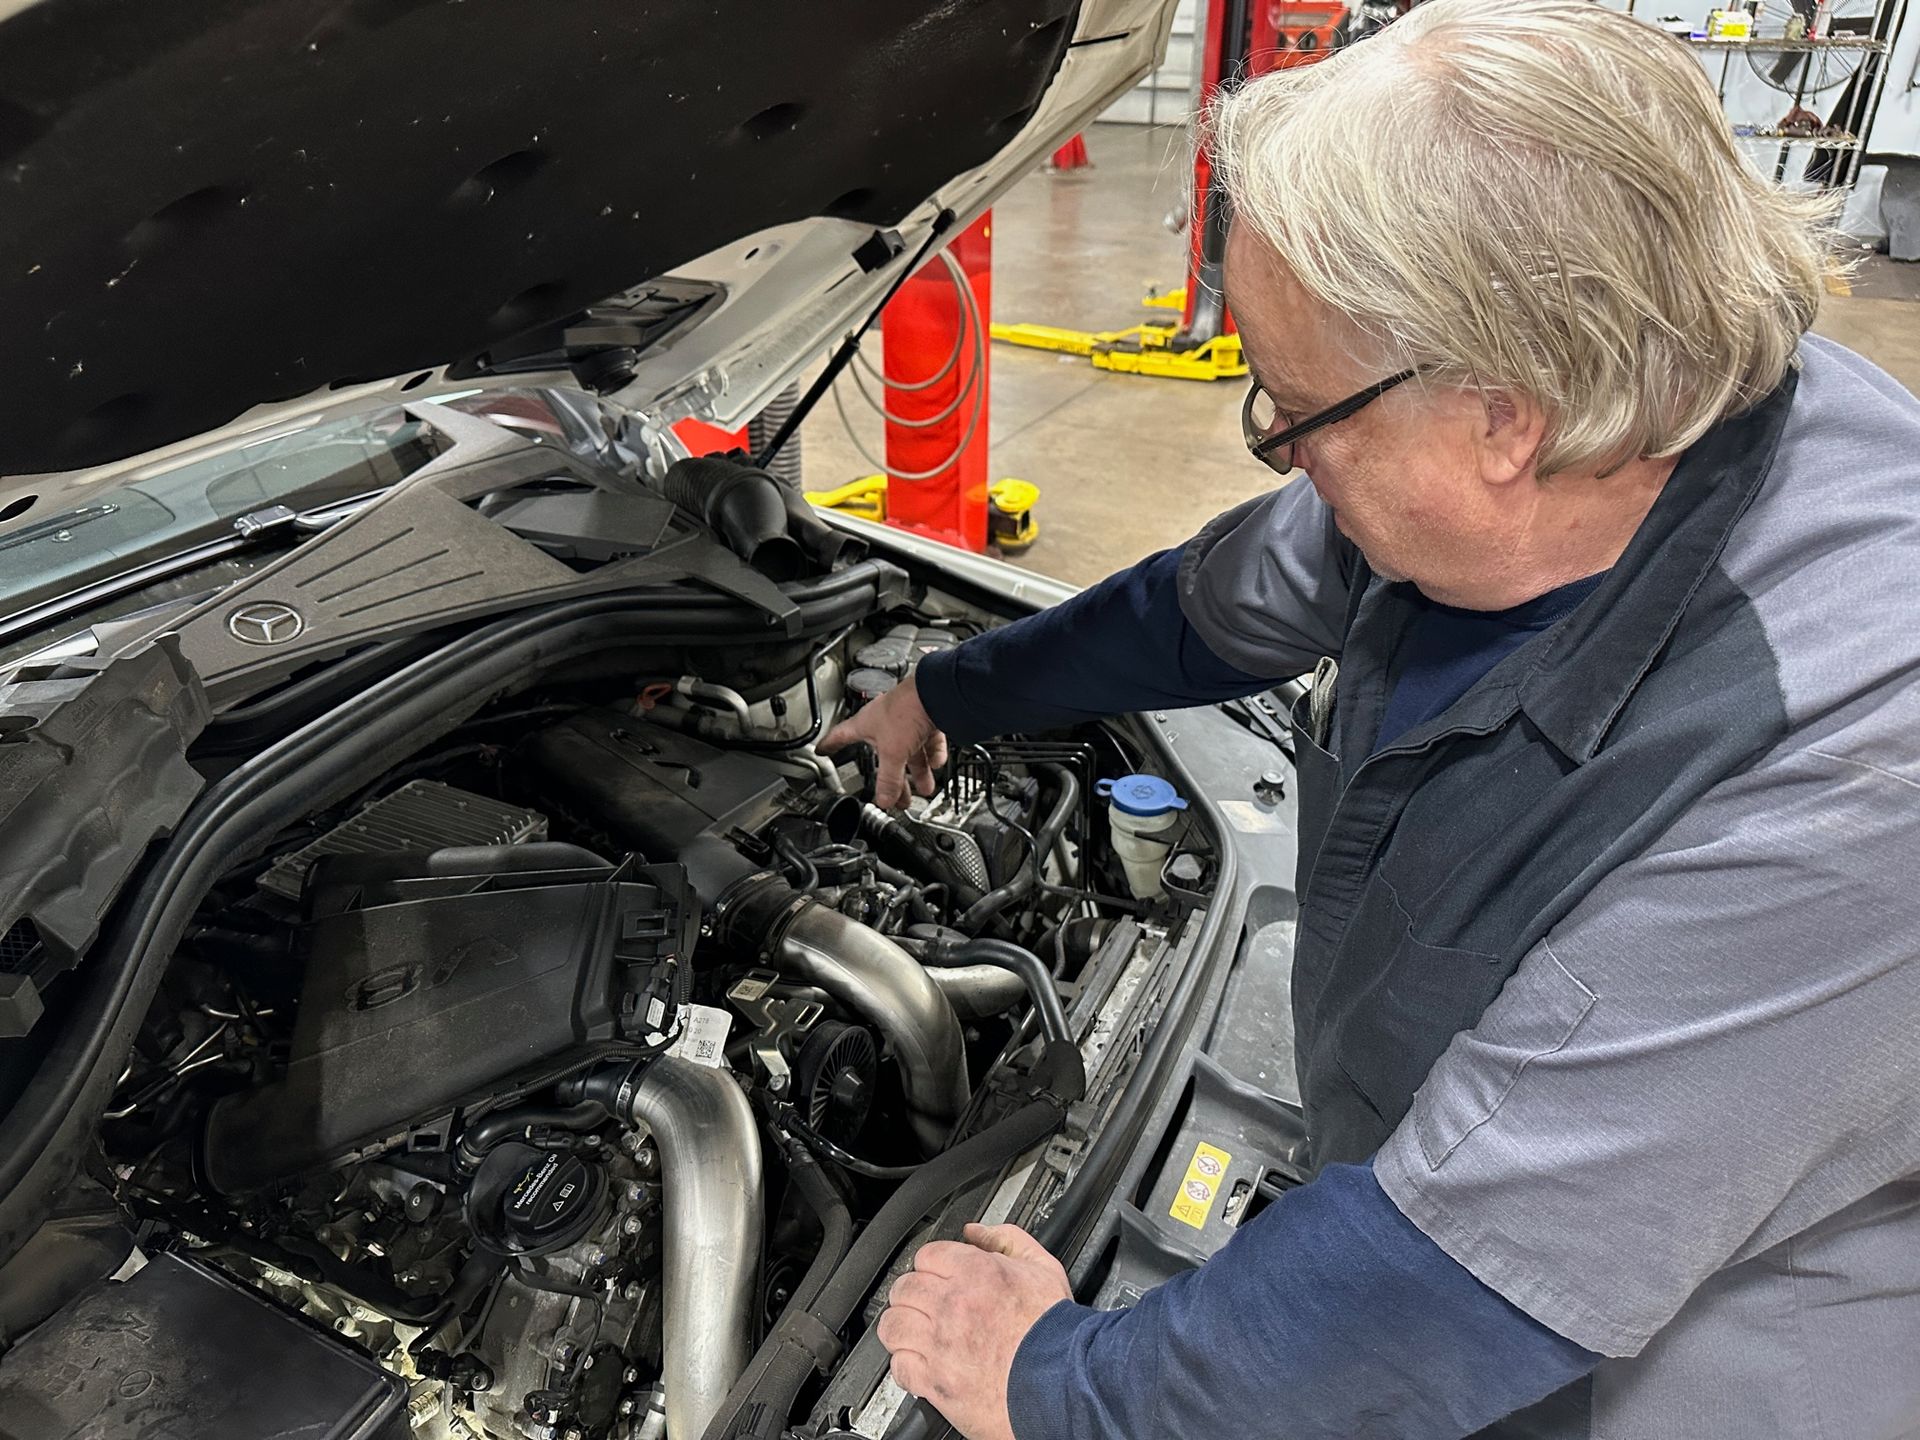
<point>743,506</point>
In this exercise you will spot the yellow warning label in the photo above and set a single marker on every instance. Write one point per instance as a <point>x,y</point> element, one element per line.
<point>1206,1173</point>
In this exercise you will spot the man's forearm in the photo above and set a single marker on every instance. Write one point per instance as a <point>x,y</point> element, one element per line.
<point>1329,1315</point>
<point>1120,646</point>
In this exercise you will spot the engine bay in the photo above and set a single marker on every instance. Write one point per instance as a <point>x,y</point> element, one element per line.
<point>557,1069</point>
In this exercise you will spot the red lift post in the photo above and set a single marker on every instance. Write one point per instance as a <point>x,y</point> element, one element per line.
<point>1243,38</point>
<point>922,327</point>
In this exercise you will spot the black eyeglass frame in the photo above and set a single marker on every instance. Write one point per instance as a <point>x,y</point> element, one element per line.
<point>1263,446</point>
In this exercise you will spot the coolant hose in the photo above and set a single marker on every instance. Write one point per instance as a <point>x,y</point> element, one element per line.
<point>816,1188</point>
<point>1019,961</point>
<point>984,911</point>
<point>714,1218</point>
<point>760,1403</point>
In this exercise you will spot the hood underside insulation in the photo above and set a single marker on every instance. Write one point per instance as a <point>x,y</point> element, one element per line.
<point>216,205</point>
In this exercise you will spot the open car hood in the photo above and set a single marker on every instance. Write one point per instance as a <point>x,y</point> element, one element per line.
<point>224,215</point>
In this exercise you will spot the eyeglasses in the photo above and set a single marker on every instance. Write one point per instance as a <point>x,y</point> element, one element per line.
<point>1259,417</point>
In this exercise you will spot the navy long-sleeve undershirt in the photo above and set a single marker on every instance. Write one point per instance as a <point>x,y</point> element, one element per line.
<point>1328,1315</point>
<point>1116,647</point>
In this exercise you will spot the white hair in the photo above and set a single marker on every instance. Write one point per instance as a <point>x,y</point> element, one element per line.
<point>1540,196</point>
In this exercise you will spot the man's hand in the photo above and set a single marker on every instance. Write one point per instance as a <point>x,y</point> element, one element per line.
<point>905,744</point>
<point>954,1322</point>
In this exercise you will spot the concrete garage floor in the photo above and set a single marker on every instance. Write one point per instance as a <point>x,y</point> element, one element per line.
<point>1126,465</point>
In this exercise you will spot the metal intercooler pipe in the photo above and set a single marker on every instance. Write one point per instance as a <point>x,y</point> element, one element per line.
<point>979,991</point>
<point>713,1217</point>
<point>757,913</point>
<point>886,986</point>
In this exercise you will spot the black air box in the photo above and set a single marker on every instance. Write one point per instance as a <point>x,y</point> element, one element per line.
<point>434,982</point>
<point>178,1352</point>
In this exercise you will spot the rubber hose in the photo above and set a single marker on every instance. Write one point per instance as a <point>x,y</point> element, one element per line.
<point>1044,839</point>
<point>823,1197</point>
<point>480,1271</point>
<point>1022,962</point>
<point>490,1132</point>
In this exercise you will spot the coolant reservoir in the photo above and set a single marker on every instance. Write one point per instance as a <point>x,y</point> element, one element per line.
<point>1143,811</point>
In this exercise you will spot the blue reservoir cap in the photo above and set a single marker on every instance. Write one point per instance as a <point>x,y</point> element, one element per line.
<point>1141,795</point>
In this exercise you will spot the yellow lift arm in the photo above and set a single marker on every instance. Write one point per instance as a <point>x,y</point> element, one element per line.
<point>1139,349</point>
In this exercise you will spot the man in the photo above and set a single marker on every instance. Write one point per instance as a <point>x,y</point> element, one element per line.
<point>1606,983</point>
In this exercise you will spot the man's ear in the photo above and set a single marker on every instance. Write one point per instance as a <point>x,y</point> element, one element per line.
<point>1516,428</point>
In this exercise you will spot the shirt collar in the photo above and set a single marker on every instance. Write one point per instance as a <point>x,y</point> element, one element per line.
<point>1591,665</point>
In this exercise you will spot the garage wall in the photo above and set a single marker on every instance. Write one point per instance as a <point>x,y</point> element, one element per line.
<point>1166,96</point>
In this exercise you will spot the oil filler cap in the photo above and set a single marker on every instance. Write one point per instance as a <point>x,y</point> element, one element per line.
<point>526,1201</point>
<point>550,1197</point>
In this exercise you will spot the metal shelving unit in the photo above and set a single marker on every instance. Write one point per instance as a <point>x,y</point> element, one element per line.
<point>1841,141</point>
<point>1847,65</point>
<point>1782,44</point>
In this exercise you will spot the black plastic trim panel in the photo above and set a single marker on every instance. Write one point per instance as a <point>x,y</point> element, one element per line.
<point>93,769</point>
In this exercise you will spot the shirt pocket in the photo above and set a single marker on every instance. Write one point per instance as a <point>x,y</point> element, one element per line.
<point>1396,1001</point>
<point>1546,1005</point>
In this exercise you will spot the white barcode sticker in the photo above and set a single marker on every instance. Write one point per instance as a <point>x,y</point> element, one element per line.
<point>703,1035</point>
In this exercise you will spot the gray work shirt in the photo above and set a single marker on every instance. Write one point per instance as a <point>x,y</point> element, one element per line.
<point>1686,1132</point>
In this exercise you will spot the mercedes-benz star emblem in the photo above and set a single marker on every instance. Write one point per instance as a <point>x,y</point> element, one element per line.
<point>265,622</point>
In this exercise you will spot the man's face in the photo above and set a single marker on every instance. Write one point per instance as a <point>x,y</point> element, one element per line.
<point>1405,476</point>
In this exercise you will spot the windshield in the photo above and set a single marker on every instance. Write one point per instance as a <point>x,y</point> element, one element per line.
<point>156,515</point>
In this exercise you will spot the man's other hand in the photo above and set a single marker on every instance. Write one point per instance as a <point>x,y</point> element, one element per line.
<point>955,1320</point>
<point>906,746</point>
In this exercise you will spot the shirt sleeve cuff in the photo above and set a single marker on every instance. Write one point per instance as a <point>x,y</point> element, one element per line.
<point>1037,1384</point>
<point>937,680</point>
<point>1506,1267</point>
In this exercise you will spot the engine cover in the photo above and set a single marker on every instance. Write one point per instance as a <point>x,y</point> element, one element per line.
<point>651,787</point>
<point>434,982</point>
